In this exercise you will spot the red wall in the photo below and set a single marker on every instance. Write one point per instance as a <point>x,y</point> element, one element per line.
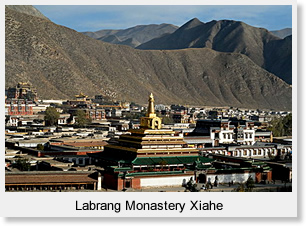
<point>110,181</point>
<point>21,112</point>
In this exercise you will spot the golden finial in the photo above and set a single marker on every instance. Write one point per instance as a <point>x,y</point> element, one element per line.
<point>150,121</point>
<point>151,105</point>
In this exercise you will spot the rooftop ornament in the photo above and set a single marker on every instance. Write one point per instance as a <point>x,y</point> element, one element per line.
<point>151,121</point>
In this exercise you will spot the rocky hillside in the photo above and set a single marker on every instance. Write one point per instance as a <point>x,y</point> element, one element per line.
<point>133,36</point>
<point>116,40</point>
<point>27,9</point>
<point>229,36</point>
<point>61,62</point>
<point>278,58</point>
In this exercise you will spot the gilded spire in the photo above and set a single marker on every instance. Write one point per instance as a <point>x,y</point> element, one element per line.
<point>151,105</point>
<point>150,121</point>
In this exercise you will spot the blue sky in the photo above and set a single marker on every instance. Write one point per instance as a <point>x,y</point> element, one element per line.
<point>93,17</point>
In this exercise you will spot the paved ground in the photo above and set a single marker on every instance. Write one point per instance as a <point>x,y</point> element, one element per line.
<point>221,188</point>
<point>277,187</point>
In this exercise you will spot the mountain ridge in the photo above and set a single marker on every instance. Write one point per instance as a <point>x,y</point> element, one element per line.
<point>226,36</point>
<point>139,34</point>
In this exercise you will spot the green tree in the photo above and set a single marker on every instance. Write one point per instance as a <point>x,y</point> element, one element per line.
<point>249,184</point>
<point>22,164</point>
<point>81,119</point>
<point>281,126</point>
<point>51,116</point>
<point>40,147</point>
<point>287,122</point>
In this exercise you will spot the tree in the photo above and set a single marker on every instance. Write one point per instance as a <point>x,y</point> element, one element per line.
<point>40,147</point>
<point>81,119</point>
<point>287,122</point>
<point>22,164</point>
<point>281,126</point>
<point>51,116</point>
<point>249,184</point>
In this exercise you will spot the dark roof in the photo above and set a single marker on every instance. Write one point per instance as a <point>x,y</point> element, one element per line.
<point>170,160</point>
<point>156,173</point>
<point>106,156</point>
<point>86,144</point>
<point>49,178</point>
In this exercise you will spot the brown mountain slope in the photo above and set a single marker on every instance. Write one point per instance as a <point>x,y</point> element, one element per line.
<point>115,40</point>
<point>61,62</point>
<point>27,9</point>
<point>230,36</point>
<point>278,56</point>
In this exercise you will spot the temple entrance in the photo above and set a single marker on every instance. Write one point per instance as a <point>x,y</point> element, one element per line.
<point>127,183</point>
<point>202,178</point>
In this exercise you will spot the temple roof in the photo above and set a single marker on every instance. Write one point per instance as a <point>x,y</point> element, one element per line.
<point>170,160</point>
<point>167,160</point>
<point>48,178</point>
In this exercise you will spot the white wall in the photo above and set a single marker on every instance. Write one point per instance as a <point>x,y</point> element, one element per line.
<point>229,136</point>
<point>225,178</point>
<point>164,181</point>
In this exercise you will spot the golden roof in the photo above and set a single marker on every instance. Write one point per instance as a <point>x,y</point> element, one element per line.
<point>81,95</point>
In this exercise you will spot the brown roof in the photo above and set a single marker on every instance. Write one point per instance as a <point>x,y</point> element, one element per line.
<point>86,144</point>
<point>48,178</point>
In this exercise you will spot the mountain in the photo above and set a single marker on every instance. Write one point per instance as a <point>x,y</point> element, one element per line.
<point>116,40</point>
<point>227,36</point>
<point>111,39</point>
<point>61,62</point>
<point>283,33</point>
<point>278,57</point>
<point>133,36</point>
<point>27,9</point>
<point>100,34</point>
